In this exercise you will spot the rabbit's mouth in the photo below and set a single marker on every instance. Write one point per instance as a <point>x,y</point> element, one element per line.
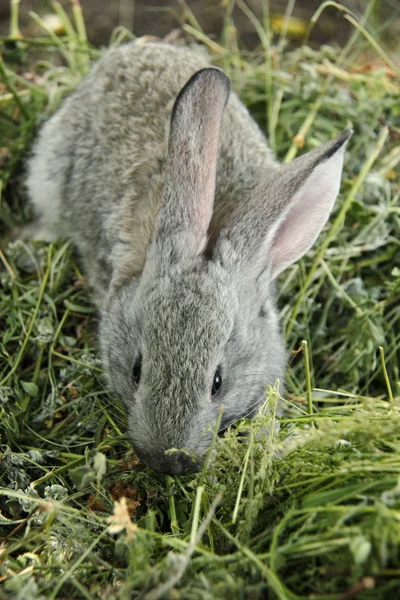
<point>224,429</point>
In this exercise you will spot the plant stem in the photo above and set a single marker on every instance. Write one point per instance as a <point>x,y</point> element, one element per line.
<point>6,80</point>
<point>385,374</point>
<point>304,344</point>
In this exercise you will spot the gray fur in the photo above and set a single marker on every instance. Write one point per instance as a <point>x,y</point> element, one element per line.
<point>177,238</point>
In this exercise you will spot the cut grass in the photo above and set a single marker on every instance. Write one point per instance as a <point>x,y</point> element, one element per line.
<point>309,509</point>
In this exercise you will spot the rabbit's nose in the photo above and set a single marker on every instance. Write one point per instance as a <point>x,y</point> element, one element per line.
<point>175,463</point>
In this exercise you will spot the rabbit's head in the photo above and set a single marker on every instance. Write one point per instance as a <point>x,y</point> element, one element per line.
<point>199,329</point>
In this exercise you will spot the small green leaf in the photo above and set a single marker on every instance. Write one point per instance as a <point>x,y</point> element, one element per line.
<point>360,548</point>
<point>99,465</point>
<point>30,388</point>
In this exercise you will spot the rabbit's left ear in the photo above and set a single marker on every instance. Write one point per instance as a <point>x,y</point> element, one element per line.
<point>188,199</point>
<point>286,213</point>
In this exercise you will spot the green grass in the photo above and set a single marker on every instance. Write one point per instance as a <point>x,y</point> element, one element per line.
<point>309,509</point>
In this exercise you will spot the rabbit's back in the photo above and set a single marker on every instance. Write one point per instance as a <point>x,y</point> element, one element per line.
<point>97,171</point>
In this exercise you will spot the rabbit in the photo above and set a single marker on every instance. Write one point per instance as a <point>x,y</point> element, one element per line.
<point>183,220</point>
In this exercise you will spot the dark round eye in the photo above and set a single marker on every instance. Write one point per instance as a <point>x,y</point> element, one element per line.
<point>216,383</point>
<point>137,370</point>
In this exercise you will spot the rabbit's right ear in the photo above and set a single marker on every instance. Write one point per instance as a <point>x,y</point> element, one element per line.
<point>188,199</point>
<point>285,214</point>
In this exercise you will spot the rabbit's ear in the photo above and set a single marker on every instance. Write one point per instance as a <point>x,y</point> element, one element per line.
<point>286,212</point>
<point>188,199</point>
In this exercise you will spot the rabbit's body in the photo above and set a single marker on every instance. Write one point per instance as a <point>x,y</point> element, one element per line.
<point>98,171</point>
<point>183,223</point>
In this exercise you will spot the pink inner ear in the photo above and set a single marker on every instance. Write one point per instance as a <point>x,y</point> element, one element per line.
<point>192,157</point>
<point>306,214</point>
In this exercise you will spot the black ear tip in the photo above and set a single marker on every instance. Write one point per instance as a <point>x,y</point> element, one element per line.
<point>334,145</point>
<point>346,135</point>
<point>212,74</point>
<point>208,78</point>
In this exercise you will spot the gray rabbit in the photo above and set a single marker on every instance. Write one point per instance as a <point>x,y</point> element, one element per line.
<point>183,220</point>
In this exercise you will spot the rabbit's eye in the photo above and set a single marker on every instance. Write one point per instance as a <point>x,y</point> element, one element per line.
<point>137,370</point>
<point>217,382</point>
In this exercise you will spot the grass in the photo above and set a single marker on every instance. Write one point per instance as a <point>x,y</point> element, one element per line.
<point>308,506</point>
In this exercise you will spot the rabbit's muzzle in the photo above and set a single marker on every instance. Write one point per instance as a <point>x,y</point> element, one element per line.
<point>175,463</point>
